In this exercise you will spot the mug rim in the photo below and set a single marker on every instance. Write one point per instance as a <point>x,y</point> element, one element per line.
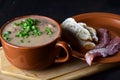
<point>22,47</point>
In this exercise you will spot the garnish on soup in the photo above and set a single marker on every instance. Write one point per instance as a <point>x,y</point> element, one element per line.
<point>28,27</point>
<point>48,31</point>
<point>31,31</point>
<point>6,34</point>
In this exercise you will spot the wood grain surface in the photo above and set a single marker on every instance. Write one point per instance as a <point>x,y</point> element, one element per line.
<point>72,69</point>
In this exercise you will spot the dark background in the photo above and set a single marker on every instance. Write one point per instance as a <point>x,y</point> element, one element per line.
<point>60,10</point>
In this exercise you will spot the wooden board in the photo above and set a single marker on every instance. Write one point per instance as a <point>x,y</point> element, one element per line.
<point>72,69</point>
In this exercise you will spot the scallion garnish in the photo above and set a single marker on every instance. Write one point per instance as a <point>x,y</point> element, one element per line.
<point>28,26</point>
<point>48,31</point>
<point>6,35</point>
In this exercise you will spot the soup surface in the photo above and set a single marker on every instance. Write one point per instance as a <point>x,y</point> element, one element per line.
<point>30,31</point>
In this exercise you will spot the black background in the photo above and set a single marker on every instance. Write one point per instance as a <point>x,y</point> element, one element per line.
<point>60,10</point>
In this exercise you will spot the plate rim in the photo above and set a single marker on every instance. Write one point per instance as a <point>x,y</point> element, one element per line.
<point>96,14</point>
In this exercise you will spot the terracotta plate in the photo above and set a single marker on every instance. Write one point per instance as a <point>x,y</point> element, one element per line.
<point>104,20</point>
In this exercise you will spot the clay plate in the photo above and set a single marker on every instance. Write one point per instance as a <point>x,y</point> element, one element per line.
<point>103,20</point>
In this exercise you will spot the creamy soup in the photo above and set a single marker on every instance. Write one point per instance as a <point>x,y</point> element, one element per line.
<point>30,31</point>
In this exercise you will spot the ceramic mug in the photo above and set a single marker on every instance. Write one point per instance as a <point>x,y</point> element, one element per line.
<point>37,57</point>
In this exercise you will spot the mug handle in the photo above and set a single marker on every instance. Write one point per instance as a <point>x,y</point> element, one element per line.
<point>68,51</point>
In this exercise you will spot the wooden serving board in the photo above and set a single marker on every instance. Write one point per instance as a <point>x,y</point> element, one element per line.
<point>72,69</point>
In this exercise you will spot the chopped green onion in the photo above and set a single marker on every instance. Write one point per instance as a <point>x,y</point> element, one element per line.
<point>48,31</point>
<point>6,35</point>
<point>33,28</point>
<point>8,32</point>
<point>16,24</point>
<point>28,26</point>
